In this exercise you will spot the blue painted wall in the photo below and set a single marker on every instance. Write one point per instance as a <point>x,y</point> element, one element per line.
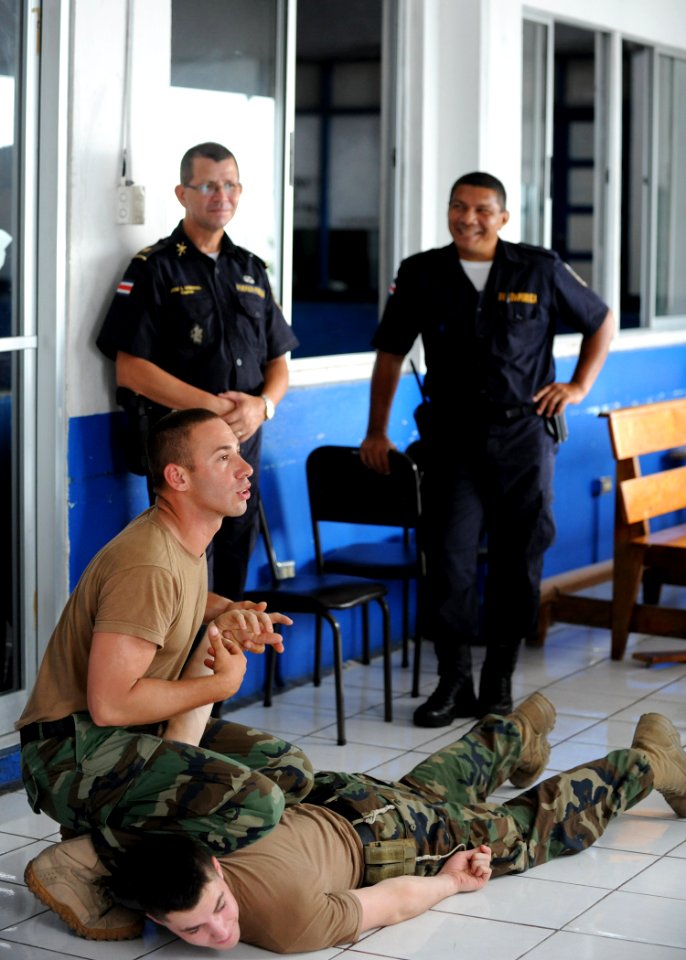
<point>103,497</point>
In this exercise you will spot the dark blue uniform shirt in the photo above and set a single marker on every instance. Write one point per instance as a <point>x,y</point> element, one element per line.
<point>212,325</point>
<point>493,348</point>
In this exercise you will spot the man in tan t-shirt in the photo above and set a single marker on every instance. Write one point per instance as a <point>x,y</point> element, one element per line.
<point>108,748</point>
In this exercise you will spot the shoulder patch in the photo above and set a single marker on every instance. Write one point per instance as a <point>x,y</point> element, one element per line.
<point>154,248</point>
<point>574,274</point>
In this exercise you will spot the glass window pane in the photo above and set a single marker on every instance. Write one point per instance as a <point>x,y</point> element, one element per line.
<point>223,87</point>
<point>534,93</point>
<point>671,190</point>
<point>10,19</point>
<point>9,533</point>
<point>9,65</point>
<point>579,232</point>
<point>580,188</point>
<point>581,143</point>
<point>337,164</point>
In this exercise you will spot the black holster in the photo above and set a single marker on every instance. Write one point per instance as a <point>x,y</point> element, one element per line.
<point>141,414</point>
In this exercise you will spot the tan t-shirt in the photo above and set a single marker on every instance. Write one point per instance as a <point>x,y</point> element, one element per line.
<point>143,583</point>
<point>293,885</point>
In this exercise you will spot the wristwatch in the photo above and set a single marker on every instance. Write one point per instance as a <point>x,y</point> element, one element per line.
<point>269,408</point>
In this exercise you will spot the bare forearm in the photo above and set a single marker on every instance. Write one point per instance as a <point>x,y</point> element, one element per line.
<point>216,604</point>
<point>594,350</point>
<point>402,898</point>
<point>384,384</point>
<point>161,387</point>
<point>150,700</point>
<point>188,727</point>
<point>276,379</point>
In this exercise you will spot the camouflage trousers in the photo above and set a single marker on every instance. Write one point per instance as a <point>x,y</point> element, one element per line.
<point>442,803</point>
<point>114,782</point>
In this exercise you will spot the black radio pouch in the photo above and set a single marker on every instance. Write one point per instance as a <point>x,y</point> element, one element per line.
<point>557,427</point>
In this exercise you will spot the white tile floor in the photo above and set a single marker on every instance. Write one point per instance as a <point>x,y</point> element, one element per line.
<point>625,899</point>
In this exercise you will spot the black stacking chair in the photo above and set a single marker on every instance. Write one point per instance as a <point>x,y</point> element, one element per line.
<point>343,490</point>
<point>320,594</point>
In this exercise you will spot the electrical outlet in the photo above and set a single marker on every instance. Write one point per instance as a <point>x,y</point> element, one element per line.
<point>601,485</point>
<point>130,203</point>
<point>285,569</point>
<point>605,484</point>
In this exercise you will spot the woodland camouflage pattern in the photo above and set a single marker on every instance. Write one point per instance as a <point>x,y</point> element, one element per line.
<point>442,803</point>
<point>113,782</point>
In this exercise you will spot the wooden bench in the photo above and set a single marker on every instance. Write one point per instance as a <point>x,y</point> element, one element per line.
<point>639,554</point>
<point>560,602</point>
<point>658,556</point>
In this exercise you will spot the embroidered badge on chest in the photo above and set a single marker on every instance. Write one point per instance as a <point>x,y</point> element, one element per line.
<point>197,334</point>
<point>181,249</point>
<point>248,279</point>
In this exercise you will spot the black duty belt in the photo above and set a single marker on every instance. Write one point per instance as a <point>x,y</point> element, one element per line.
<point>63,728</point>
<point>46,729</point>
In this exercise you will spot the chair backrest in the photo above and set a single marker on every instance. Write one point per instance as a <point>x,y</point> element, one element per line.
<point>342,489</point>
<point>648,428</point>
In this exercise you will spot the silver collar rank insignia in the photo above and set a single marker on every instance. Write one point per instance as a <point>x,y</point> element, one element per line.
<point>181,249</point>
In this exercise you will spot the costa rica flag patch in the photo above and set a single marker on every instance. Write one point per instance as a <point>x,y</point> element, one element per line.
<point>125,287</point>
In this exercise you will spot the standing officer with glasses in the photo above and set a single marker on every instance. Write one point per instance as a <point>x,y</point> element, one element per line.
<point>193,323</point>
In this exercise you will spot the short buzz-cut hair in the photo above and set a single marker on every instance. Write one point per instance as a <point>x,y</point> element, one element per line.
<point>168,441</point>
<point>161,874</point>
<point>209,150</point>
<point>486,180</point>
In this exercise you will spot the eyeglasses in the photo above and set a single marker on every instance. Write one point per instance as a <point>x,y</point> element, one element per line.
<point>207,189</point>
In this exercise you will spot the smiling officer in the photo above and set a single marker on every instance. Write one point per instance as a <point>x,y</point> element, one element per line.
<point>487,312</point>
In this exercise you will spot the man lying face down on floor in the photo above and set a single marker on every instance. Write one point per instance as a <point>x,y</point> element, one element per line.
<point>339,864</point>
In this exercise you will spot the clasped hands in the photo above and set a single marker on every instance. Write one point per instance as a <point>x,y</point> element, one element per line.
<point>245,416</point>
<point>248,626</point>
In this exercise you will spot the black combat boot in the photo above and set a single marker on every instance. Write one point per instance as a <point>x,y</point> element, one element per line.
<point>495,688</point>
<point>453,697</point>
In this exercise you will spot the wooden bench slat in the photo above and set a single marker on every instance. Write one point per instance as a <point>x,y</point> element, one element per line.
<point>647,428</point>
<point>653,495</point>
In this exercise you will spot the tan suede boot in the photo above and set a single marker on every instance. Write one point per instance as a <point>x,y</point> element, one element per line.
<point>535,717</point>
<point>67,877</point>
<point>659,740</point>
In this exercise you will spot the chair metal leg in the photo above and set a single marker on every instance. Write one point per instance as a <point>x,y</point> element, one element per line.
<point>269,669</point>
<point>387,663</point>
<point>406,623</point>
<point>366,656</point>
<point>318,652</point>
<point>338,675</point>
